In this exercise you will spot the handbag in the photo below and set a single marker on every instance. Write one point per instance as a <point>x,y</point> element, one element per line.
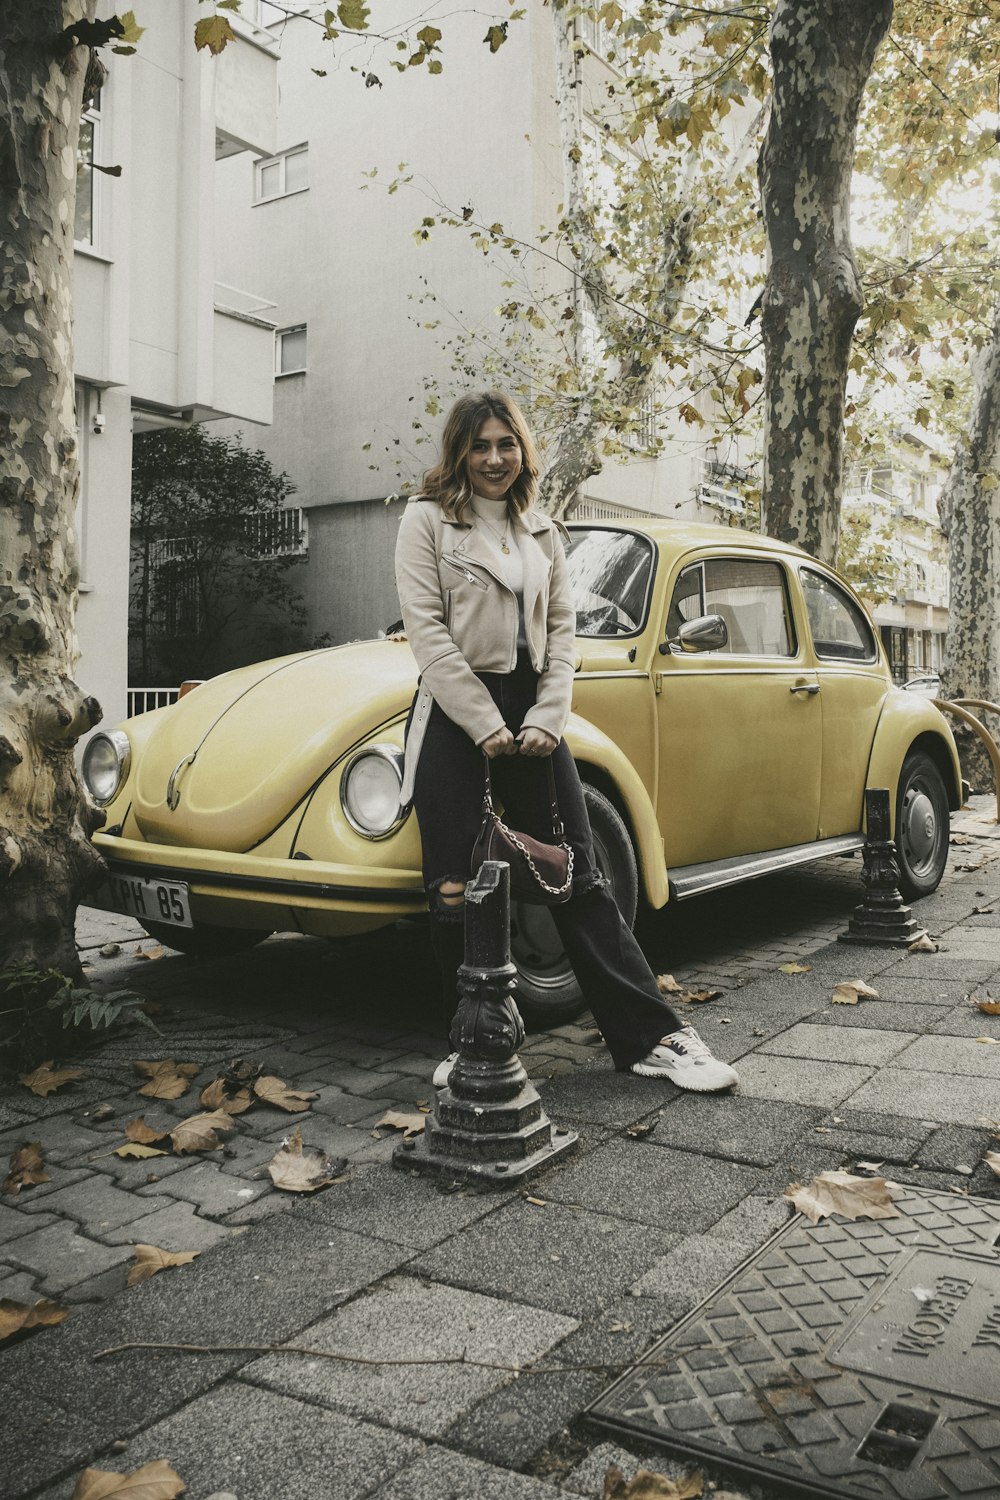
<point>541,874</point>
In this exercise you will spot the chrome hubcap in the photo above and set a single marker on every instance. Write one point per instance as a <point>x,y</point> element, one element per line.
<point>919,826</point>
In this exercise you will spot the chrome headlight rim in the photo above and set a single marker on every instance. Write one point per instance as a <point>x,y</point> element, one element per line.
<point>122,747</point>
<point>394,756</point>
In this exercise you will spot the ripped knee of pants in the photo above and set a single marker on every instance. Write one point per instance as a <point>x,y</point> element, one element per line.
<point>447,899</point>
<point>590,880</point>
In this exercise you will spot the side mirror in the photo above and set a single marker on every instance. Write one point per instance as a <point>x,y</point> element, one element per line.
<point>707,633</point>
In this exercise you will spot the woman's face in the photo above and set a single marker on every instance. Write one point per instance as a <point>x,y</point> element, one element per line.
<point>494,459</point>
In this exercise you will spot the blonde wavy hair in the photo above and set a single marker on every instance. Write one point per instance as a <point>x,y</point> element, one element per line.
<point>448,481</point>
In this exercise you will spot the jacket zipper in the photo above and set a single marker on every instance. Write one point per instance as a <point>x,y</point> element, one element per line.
<point>497,579</point>
<point>465,572</point>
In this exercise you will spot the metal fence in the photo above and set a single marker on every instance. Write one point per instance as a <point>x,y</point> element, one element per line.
<point>142,700</point>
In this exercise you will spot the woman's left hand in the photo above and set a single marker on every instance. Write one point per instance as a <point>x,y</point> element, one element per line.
<point>533,741</point>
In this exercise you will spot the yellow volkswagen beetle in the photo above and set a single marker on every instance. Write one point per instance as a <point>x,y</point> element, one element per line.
<point>732,703</point>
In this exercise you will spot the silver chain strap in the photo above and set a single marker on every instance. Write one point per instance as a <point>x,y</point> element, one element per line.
<point>553,890</point>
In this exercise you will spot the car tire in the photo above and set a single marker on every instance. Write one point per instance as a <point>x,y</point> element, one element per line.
<point>205,941</point>
<point>922,825</point>
<point>548,992</point>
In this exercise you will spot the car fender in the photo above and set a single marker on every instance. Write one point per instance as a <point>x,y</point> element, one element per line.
<point>904,720</point>
<point>616,775</point>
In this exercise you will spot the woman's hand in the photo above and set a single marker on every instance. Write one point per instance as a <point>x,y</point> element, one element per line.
<point>499,743</point>
<point>533,741</point>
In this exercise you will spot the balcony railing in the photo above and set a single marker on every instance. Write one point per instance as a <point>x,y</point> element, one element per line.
<point>143,700</point>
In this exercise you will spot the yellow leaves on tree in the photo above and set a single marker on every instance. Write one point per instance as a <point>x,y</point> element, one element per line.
<point>155,1481</point>
<point>46,1078</point>
<point>27,1168</point>
<point>213,32</point>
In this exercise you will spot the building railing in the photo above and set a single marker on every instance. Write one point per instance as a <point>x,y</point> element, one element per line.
<point>143,699</point>
<point>234,299</point>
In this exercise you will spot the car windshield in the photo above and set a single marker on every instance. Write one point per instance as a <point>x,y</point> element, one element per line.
<point>610,574</point>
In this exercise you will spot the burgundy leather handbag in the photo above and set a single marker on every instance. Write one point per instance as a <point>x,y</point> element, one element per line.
<point>541,874</point>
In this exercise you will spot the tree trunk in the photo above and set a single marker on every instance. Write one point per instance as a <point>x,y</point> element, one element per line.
<point>821,55</point>
<point>46,859</point>
<point>969,508</point>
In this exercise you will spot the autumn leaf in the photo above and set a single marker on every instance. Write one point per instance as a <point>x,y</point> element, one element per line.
<point>242,1070</point>
<point>136,1151</point>
<point>215,1095</point>
<point>853,990</point>
<point>167,1079</point>
<point>843,1193</point>
<point>156,952</point>
<point>302,1169</point>
<point>150,1258</point>
<point>496,36</point>
<point>155,1481</point>
<point>989,1041</point>
<point>794,968</point>
<point>989,1007</point>
<point>698,997</point>
<point>667,984</point>
<point>197,1133</point>
<point>981,911</point>
<point>46,1078</point>
<point>399,1120</point>
<point>992,1160</point>
<point>15,1316</point>
<point>923,944</point>
<point>137,1130</point>
<point>275,1091</point>
<point>212,32</point>
<point>27,1168</point>
<point>649,1486</point>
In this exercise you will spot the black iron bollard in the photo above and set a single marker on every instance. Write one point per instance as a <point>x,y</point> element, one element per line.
<point>488,1124</point>
<point>881,920</point>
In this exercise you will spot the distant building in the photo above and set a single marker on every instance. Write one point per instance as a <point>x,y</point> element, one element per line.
<point>159,338</point>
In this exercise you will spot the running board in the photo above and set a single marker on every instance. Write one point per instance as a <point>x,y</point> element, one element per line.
<point>695,880</point>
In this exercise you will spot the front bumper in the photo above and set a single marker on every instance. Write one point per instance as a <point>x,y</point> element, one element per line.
<point>296,895</point>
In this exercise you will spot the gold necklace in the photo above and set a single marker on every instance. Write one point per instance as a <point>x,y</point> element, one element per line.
<point>500,536</point>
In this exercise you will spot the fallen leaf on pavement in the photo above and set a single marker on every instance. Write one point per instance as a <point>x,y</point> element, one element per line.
<point>111,950</point>
<point>638,1131</point>
<point>397,1119</point>
<point>145,1135</point>
<point>842,1193</point>
<point>302,1169</point>
<point>46,1078</point>
<point>243,1069</point>
<point>150,1258</point>
<point>649,1486</point>
<point>17,1315</point>
<point>698,997</point>
<point>198,1132</point>
<point>215,1095</point>
<point>156,952</point>
<point>988,1041</point>
<point>867,1166</point>
<point>167,1079</point>
<point>923,944</point>
<point>989,1007</point>
<point>853,990</point>
<point>155,1481</point>
<point>667,984</point>
<point>794,968</point>
<point>27,1168</point>
<point>103,1112</point>
<point>275,1091</point>
<point>992,1160</point>
<point>136,1151</point>
<point>983,911</point>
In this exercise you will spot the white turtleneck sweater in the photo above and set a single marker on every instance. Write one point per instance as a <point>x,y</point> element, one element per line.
<point>494,523</point>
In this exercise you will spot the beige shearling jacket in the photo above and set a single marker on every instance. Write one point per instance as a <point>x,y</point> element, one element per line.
<point>461,618</point>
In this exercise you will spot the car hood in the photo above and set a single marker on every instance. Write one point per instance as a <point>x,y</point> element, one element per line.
<point>254,741</point>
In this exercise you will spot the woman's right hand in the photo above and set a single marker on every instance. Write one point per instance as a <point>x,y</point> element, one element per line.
<point>500,743</point>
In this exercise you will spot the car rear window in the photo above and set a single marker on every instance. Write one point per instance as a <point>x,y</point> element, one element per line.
<point>610,573</point>
<point>840,628</point>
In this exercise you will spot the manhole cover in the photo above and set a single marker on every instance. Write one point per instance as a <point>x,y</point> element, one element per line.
<point>843,1359</point>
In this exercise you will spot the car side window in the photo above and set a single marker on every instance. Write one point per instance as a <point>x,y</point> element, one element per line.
<point>840,629</point>
<point>750,595</point>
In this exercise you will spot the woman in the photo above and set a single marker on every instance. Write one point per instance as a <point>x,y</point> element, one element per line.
<point>486,603</point>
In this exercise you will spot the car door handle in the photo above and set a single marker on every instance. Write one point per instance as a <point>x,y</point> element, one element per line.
<point>805,687</point>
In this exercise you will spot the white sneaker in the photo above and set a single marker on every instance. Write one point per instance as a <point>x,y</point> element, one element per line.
<point>443,1071</point>
<point>687,1061</point>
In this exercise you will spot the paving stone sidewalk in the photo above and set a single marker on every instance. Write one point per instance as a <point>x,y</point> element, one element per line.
<point>574,1275</point>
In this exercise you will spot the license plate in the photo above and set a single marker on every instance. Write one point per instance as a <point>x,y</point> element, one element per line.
<point>147,898</point>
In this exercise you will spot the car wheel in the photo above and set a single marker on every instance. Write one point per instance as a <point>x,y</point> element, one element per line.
<point>205,941</point>
<point>922,825</point>
<point>548,993</point>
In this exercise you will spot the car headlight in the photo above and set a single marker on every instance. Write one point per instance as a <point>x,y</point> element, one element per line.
<point>105,764</point>
<point>369,791</point>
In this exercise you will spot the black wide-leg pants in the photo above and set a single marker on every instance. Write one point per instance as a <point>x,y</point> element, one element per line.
<point>617,983</point>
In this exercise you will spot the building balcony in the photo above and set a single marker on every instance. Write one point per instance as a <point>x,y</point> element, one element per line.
<point>246,91</point>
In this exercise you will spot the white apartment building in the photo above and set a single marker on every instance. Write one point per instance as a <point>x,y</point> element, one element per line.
<point>337,255</point>
<point>161,337</point>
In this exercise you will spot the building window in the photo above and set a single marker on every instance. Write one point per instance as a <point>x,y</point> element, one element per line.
<point>277,176</point>
<point>281,533</point>
<point>290,350</point>
<point>85,226</point>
